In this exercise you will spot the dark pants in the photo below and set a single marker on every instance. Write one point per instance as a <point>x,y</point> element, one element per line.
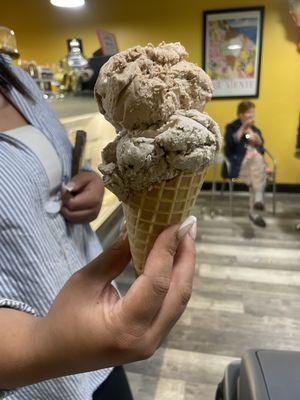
<point>115,387</point>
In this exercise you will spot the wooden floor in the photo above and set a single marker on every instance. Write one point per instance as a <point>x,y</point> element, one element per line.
<point>246,295</point>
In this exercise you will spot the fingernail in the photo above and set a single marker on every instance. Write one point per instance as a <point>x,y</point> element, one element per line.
<point>69,187</point>
<point>193,231</point>
<point>189,225</point>
<point>123,230</point>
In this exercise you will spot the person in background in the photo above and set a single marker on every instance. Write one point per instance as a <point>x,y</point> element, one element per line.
<point>60,315</point>
<point>244,150</point>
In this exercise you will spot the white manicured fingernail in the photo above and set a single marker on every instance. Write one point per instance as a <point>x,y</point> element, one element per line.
<point>123,230</point>
<point>189,225</point>
<point>69,187</point>
<point>193,230</point>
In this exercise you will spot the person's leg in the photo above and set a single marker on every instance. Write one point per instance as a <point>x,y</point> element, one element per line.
<point>245,176</point>
<point>251,199</point>
<point>258,180</point>
<point>258,183</point>
<point>252,173</point>
<point>115,387</point>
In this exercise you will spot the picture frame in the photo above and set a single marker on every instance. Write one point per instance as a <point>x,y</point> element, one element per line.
<point>108,42</point>
<point>232,48</point>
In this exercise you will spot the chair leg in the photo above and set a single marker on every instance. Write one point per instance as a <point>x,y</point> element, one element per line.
<point>213,191</point>
<point>231,186</point>
<point>222,188</point>
<point>212,198</point>
<point>274,196</point>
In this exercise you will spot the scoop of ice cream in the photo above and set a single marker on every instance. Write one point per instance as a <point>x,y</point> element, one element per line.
<point>136,160</point>
<point>145,85</point>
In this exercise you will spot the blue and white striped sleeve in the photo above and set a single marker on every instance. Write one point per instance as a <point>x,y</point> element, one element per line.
<point>19,306</point>
<point>11,212</point>
<point>5,393</point>
<point>16,305</point>
<point>7,207</point>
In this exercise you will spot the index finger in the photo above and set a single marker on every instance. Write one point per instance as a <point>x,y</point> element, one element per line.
<point>146,295</point>
<point>180,289</point>
<point>83,200</point>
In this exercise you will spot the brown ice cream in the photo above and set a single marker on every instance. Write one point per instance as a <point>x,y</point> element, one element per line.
<point>136,160</point>
<point>145,85</point>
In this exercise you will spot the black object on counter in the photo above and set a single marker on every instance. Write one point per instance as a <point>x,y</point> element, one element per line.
<point>262,375</point>
<point>94,64</point>
<point>78,152</point>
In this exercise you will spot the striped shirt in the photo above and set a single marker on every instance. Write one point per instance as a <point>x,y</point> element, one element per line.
<point>39,251</point>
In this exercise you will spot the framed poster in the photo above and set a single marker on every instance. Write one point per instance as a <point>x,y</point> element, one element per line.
<point>232,50</point>
<point>108,42</point>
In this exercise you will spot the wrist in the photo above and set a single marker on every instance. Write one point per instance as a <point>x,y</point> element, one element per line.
<point>60,350</point>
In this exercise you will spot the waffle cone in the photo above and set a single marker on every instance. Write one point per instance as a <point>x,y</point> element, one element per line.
<point>149,212</point>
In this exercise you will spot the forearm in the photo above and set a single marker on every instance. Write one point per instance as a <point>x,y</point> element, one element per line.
<point>21,361</point>
<point>31,351</point>
<point>70,339</point>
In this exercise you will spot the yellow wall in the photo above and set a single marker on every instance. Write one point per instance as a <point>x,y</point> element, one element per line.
<point>41,31</point>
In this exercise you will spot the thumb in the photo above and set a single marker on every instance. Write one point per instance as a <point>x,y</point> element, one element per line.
<point>79,181</point>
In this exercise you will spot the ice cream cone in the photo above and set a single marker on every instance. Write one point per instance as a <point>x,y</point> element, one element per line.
<point>149,212</point>
<point>155,98</point>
